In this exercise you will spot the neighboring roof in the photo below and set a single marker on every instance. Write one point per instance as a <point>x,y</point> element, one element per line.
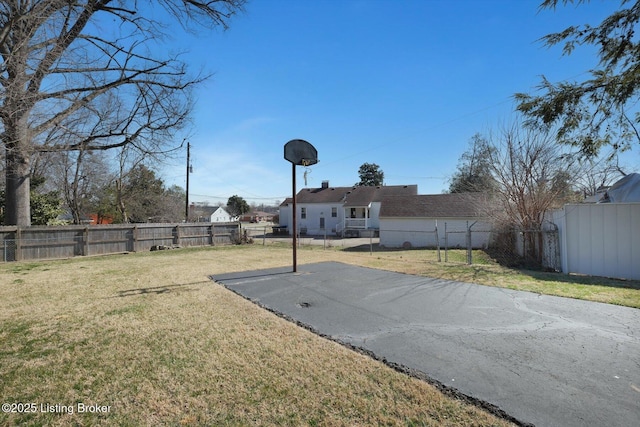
<point>353,196</point>
<point>203,209</point>
<point>364,195</point>
<point>322,195</point>
<point>624,191</point>
<point>455,205</point>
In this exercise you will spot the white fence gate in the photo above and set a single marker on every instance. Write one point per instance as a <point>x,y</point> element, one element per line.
<point>601,239</point>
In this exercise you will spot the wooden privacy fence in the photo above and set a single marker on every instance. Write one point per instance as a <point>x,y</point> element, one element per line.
<point>37,243</point>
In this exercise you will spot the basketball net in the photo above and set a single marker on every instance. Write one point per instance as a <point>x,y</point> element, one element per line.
<point>305,163</point>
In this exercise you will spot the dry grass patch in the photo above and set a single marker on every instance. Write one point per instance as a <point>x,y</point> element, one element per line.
<point>150,336</point>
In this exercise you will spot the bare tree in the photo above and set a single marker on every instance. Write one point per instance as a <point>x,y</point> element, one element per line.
<point>533,174</point>
<point>128,161</point>
<point>64,58</point>
<point>80,176</point>
<point>599,174</point>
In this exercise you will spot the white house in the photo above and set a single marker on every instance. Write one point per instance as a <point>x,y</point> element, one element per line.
<point>426,220</point>
<point>340,210</point>
<point>220,215</point>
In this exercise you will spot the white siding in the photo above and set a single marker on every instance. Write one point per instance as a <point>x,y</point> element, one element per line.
<point>314,211</point>
<point>374,215</point>
<point>285,216</point>
<point>220,215</point>
<point>602,240</point>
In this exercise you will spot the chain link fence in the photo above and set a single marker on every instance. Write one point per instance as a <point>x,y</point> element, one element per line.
<point>533,249</point>
<point>8,250</point>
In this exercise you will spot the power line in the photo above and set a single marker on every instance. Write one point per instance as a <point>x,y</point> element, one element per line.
<point>251,198</point>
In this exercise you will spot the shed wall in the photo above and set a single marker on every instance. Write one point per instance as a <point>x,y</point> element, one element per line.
<point>602,240</point>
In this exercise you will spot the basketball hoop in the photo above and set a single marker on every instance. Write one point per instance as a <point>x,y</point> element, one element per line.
<point>298,152</point>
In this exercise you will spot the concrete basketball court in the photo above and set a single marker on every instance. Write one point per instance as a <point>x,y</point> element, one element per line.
<point>543,360</point>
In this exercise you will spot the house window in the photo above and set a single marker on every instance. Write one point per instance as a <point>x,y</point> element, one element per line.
<point>322,223</point>
<point>303,213</point>
<point>334,212</point>
<point>353,212</point>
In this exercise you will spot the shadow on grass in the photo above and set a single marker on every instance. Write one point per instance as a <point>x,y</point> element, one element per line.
<point>156,289</point>
<point>375,247</point>
<point>577,279</point>
<point>249,275</point>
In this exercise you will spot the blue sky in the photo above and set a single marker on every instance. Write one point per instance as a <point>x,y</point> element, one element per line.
<point>404,84</point>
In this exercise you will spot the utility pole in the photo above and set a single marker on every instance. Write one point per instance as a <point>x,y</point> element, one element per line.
<point>186,207</point>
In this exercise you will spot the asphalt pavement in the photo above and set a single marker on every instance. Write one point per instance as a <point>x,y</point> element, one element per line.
<point>543,360</point>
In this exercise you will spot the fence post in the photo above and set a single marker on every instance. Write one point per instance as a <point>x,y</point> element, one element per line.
<point>176,237</point>
<point>18,254</point>
<point>134,238</point>
<point>469,257</point>
<point>540,247</point>
<point>85,241</point>
<point>446,244</point>
<point>438,242</point>
<point>324,242</point>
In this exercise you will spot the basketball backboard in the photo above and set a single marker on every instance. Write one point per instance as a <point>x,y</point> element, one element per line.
<point>300,152</point>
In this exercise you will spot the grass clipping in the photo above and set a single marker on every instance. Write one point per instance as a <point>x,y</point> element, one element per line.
<point>147,339</point>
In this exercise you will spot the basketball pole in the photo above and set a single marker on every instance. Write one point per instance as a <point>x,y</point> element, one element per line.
<point>298,152</point>
<point>294,215</point>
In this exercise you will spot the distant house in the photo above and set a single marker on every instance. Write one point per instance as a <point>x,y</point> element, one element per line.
<point>625,190</point>
<point>340,210</point>
<point>426,220</point>
<point>220,215</point>
<point>100,219</point>
<point>256,216</point>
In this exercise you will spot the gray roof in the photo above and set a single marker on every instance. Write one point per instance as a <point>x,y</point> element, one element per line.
<point>353,196</point>
<point>626,190</point>
<point>455,205</point>
<point>322,195</point>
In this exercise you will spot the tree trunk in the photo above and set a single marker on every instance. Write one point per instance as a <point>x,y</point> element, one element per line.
<point>17,173</point>
<point>122,209</point>
<point>74,199</point>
